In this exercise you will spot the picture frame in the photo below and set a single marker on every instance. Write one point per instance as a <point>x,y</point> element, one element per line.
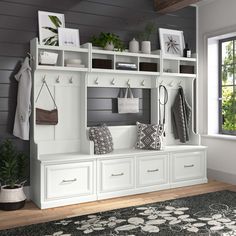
<point>49,22</point>
<point>68,37</point>
<point>171,42</point>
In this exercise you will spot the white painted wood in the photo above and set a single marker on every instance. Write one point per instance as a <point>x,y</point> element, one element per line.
<point>152,170</point>
<point>121,81</point>
<point>57,147</point>
<point>180,58</point>
<point>64,152</point>
<point>188,166</point>
<point>116,175</point>
<point>124,137</point>
<point>68,127</point>
<point>68,180</point>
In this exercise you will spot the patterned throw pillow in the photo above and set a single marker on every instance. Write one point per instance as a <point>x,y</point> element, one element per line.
<point>102,139</point>
<point>149,136</point>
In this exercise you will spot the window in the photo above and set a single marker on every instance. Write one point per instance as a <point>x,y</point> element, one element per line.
<point>227,86</point>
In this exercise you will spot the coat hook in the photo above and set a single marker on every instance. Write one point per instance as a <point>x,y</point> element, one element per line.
<point>30,56</point>
<point>71,80</point>
<point>171,84</point>
<point>180,82</point>
<point>96,81</point>
<point>143,83</point>
<point>128,82</point>
<point>113,82</point>
<point>44,79</point>
<point>58,79</point>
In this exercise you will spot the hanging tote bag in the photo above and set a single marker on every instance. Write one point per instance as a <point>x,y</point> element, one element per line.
<point>46,117</point>
<point>128,104</point>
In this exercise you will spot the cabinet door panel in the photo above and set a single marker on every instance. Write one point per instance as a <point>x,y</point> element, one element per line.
<point>189,165</point>
<point>116,175</point>
<point>152,170</point>
<point>68,180</point>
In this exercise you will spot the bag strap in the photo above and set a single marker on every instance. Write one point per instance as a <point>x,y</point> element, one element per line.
<point>128,89</point>
<point>126,93</point>
<point>45,83</point>
<point>130,92</point>
<point>162,92</point>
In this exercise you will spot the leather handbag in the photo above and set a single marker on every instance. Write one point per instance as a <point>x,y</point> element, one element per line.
<point>128,104</point>
<point>46,117</point>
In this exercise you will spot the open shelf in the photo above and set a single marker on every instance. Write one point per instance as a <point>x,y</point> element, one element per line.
<point>163,65</point>
<point>61,68</point>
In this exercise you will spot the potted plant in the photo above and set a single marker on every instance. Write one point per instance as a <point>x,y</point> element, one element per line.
<point>145,37</point>
<point>12,177</point>
<point>108,41</point>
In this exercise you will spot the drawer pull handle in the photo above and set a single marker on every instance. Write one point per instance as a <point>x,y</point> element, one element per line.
<point>152,170</point>
<point>69,180</point>
<point>113,175</point>
<point>188,166</point>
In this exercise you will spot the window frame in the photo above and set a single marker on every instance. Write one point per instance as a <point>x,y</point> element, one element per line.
<point>221,130</point>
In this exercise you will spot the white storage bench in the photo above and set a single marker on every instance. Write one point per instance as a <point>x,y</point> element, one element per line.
<point>74,178</point>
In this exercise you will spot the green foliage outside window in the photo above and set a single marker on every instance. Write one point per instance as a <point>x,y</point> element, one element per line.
<point>228,88</point>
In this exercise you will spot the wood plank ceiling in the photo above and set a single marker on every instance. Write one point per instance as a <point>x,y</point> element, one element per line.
<point>168,6</point>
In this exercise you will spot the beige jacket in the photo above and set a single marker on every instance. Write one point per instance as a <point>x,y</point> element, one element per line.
<point>23,108</point>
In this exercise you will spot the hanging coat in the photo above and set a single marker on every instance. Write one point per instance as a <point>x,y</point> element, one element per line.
<point>181,115</point>
<point>23,107</point>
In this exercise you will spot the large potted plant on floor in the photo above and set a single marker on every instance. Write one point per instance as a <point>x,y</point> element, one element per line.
<point>12,177</point>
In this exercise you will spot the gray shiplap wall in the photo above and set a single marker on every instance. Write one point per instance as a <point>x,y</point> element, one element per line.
<point>18,25</point>
<point>103,107</point>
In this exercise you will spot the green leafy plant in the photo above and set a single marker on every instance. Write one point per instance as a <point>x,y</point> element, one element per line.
<point>149,29</point>
<point>53,40</point>
<point>104,38</point>
<point>12,165</point>
<point>228,94</point>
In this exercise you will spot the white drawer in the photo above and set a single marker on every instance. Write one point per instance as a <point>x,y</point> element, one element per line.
<point>152,170</point>
<point>121,81</point>
<point>189,165</point>
<point>116,174</point>
<point>68,180</point>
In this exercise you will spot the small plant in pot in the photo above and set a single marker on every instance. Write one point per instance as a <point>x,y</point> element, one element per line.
<point>12,177</point>
<point>108,41</point>
<point>145,37</point>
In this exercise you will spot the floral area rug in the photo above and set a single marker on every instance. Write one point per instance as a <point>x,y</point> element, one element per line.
<point>207,214</point>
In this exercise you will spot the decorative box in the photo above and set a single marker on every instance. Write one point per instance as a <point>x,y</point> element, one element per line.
<point>148,66</point>
<point>186,69</point>
<point>48,58</point>
<point>102,63</point>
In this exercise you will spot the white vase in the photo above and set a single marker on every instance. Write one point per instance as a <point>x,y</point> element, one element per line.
<point>146,47</point>
<point>109,46</point>
<point>12,199</point>
<point>134,46</point>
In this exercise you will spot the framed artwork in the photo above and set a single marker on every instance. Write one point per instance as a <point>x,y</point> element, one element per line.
<point>49,23</point>
<point>172,42</point>
<point>68,37</point>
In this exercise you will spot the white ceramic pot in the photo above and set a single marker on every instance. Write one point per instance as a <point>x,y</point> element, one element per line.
<point>12,199</point>
<point>134,46</point>
<point>109,46</point>
<point>146,47</point>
